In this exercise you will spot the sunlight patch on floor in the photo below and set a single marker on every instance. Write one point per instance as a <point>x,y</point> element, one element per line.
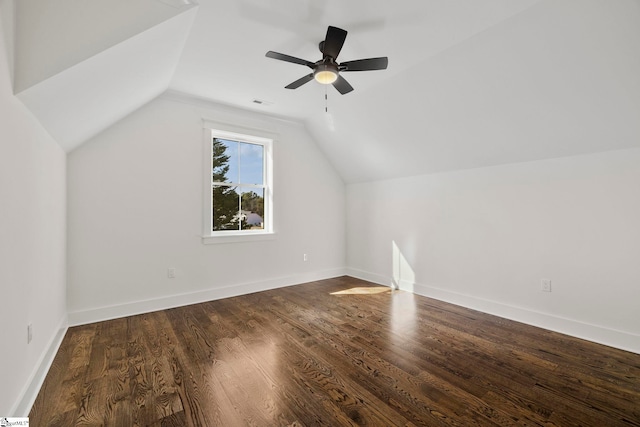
<point>363,291</point>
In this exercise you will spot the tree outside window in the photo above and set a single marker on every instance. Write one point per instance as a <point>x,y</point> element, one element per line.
<point>237,185</point>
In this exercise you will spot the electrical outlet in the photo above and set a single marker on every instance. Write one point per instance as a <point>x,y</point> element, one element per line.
<point>171,273</point>
<point>29,333</point>
<point>545,285</point>
<point>305,257</point>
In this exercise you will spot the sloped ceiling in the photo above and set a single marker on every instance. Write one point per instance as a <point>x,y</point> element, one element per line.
<point>81,66</point>
<point>560,79</point>
<point>469,83</point>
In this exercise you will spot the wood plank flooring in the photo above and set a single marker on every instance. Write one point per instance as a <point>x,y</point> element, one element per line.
<point>337,352</point>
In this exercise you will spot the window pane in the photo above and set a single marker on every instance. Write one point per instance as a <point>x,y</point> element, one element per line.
<point>253,209</point>
<point>224,161</point>
<point>239,177</point>
<point>225,212</point>
<point>251,163</point>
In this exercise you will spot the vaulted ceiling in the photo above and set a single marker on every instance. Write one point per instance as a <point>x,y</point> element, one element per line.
<point>470,83</point>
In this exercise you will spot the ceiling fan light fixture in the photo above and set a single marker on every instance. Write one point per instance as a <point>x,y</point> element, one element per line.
<point>327,70</point>
<point>325,74</point>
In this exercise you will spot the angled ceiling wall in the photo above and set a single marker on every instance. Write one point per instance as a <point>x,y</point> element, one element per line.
<point>81,66</point>
<point>558,79</point>
<point>469,84</point>
<point>55,35</point>
<point>7,16</point>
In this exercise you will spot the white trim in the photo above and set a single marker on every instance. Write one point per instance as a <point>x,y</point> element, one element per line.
<point>23,405</point>
<point>370,277</point>
<point>170,301</point>
<point>206,189</point>
<point>599,334</point>
<point>246,133</point>
<point>233,237</point>
<point>239,133</point>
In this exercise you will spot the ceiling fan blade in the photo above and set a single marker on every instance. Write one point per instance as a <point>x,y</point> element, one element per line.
<point>300,82</point>
<point>333,41</point>
<point>342,85</point>
<point>287,58</point>
<point>365,64</point>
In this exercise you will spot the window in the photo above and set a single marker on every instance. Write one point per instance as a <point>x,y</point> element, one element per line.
<point>238,185</point>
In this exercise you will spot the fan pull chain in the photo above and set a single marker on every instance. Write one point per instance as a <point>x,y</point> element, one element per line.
<point>326,100</point>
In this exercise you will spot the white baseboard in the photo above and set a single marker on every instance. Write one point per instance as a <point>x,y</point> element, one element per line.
<point>29,393</point>
<point>371,277</point>
<point>99,314</point>
<point>614,338</point>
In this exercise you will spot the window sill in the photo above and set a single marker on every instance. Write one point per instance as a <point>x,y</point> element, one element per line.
<point>237,238</point>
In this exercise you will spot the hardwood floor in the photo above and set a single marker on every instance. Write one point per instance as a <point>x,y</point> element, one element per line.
<point>335,352</point>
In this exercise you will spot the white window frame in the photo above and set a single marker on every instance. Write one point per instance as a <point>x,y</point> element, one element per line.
<point>266,139</point>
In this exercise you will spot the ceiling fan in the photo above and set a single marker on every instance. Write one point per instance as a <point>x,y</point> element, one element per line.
<point>327,70</point>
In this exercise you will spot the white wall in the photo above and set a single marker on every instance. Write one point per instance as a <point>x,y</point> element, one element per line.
<point>135,210</point>
<point>32,245</point>
<point>484,238</point>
